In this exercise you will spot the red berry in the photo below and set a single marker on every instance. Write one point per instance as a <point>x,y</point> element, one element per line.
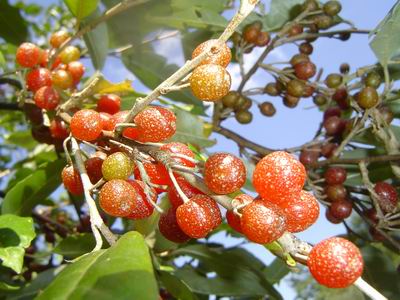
<point>211,205</point>
<point>301,212</point>
<point>116,198</point>
<point>335,192</point>
<point>263,39</point>
<point>157,173</point>
<point>195,218</point>
<point>170,229</point>
<point>86,125</point>
<point>263,222</point>
<point>335,262</point>
<point>28,55</point>
<point>224,173</point>
<point>328,149</point>
<point>334,126</point>
<point>387,196</point>
<point>109,103</point>
<point>278,175</point>
<point>107,121</point>
<point>42,134</point>
<point>332,112</point>
<point>38,78</point>
<point>372,215</point>
<point>76,69</point>
<point>72,180</point>
<point>341,98</point>
<point>47,98</point>
<point>44,60</point>
<point>232,218</point>
<point>335,175</point>
<point>93,169</point>
<point>189,190</point>
<point>120,117</point>
<point>220,55</point>
<point>331,218</point>
<point>179,148</point>
<point>309,156</point>
<point>59,129</point>
<point>305,70</point>
<point>33,113</point>
<point>210,82</point>
<point>341,209</point>
<point>143,208</point>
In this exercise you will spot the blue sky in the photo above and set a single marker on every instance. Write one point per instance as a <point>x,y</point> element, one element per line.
<point>289,127</point>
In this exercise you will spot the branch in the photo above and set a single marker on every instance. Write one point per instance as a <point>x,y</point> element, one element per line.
<point>11,81</point>
<point>9,106</point>
<point>352,161</point>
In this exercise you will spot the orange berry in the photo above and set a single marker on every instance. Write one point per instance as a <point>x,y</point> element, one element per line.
<point>86,125</point>
<point>58,38</point>
<point>116,198</point>
<point>72,180</point>
<point>220,55</point>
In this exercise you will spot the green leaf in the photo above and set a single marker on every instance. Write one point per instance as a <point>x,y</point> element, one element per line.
<point>385,44</point>
<point>238,272</point>
<point>81,8</point>
<point>96,41</point>
<point>74,246</point>
<point>33,189</point>
<point>16,233</point>
<point>22,139</point>
<point>190,129</point>
<point>13,27</point>
<point>124,271</point>
<point>2,60</point>
<point>280,12</point>
<point>176,287</point>
<point>276,271</point>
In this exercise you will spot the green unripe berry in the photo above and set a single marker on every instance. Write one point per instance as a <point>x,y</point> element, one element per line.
<point>231,99</point>
<point>295,88</point>
<point>244,116</point>
<point>117,166</point>
<point>332,8</point>
<point>323,21</point>
<point>243,103</point>
<point>273,89</point>
<point>373,79</point>
<point>368,97</point>
<point>320,100</point>
<point>333,80</point>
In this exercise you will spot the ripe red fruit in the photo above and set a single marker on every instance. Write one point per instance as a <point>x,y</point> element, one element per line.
<point>157,173</point>
<point>388,197</point>
<point>72,180</point>
<point>335,262</point>
<point>334,126</point>
<point>301,211</point>
<point>174,199</point>
<point>335,175</point>
<point>220,55</point>
<point>86,125</point>
<point>263,222</point>
<point>233,219</point>
<point>328,149</point>
<point>341,209</point>
<point>179,148</point>
<point>154,124</point>
<point>59,129</point>
<point>42,134</point>
<point>341,97</point>
<point>143,208</point>
<point>107,121</point>
<point>332,112</point>
<point>28,55</point>
<point>47,98</point>
<point>62,79</point>
<point>195,218</point>
<point>335,192</point>
<point>120,117</point>
<point>33,113</point>
<point>309,156</point>
<point>278,175</point>
<point>44,60</point>
<point>109,103</point>
<point>331,218</point>
<point>93,169</point>
<point>263,39</point>
<point>372,214</point>
<point>38,78</point>
<point>210,82</point>
<point>170,229</point>
<point>224,173</point>
<point>76,69</point>
<point>305,70</point>
<point>116,198</point>
<point>211,205</point>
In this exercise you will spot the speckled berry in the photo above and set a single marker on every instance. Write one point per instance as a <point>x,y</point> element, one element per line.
<point>211,205</point>
<point>93,168</point>
<point>224,173</point>
<point>47,98</point>
<point>194,219</point>
<point>59,129</point>
<point>58,38</point>
<point>335,175</point>
<point>210,82</point>
<point>278,175</point>
<point>388,197</point>
<point>28,55</point>
<point>157,173</point>
<point>176,148</point>
<point>117,166</point>
<point>189,190</point>
<point>263,222</point>
<point>107,121</point>
<point>232,218</point>
<point>116,198</point>
<point>142,208</point>
<point>62,79</point>
<point>109,103</point>
<point>335,262</point>
<point>301,211</point>
<point>170,229</point>
<point>38,78</point>
<point>76,69</point>
<point>341,209</point>
<point>220,55</point>
<point>72,180</point>
<point>86,125</point>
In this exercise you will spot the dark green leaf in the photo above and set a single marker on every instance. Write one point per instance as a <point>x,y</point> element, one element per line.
<point>280,12</point>
<point>124,271</point>
<point>81,8</point>
<point>74,246</point>
<point>96,41</point>
<point>33,189</point>
<point>21,139</point>
<point>276,271</point>
<point>175,286</point>
<point>12,26</point>
<point>16,233</point>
